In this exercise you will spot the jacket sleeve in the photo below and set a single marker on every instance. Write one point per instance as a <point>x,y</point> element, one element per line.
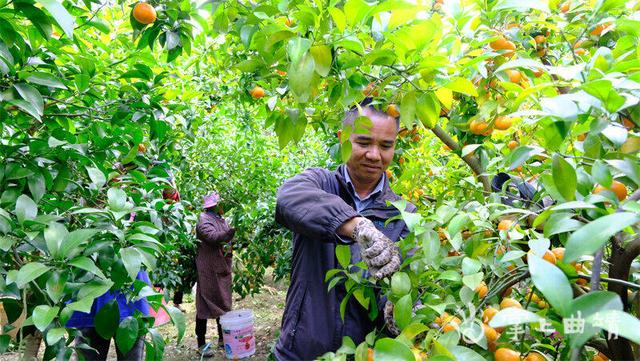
<point>305,207</point>
<point>213,231</point>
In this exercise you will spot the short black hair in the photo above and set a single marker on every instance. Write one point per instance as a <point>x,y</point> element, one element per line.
<point>367,103</point>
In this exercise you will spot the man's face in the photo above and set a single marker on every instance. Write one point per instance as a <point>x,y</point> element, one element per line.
<point>372,152</point>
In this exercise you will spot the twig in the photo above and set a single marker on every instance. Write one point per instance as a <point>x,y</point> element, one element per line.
<point>613,280</point>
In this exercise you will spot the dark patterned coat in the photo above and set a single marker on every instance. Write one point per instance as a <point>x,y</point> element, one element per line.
<point>213,292</point>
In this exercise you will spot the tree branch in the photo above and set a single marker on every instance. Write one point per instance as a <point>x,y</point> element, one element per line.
<point>471,160</point>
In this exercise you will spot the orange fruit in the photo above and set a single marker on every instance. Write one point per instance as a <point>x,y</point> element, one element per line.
<point>488,314</point>
<point>618,188</point>
<point>581,281</point>
<point>578,267</point>
<point>580,51</point>
<point>565,6</point>
<point>370,90</point>
<point>490,333</point>
<point>582,137</point>
<point>514,75</point>
<point>507,292</point>
<point>401,160</point>
<point>534,356</point>
<point>503,123</point>
<point>415,138</point>
<point>389,174</point>
<point>539,39</point>
<point>257,92</point>
<point>288,22</point>
<point>628,123</point>
<point>478,127</point>
<point>549,257</point>
<point>597,31</point>
<point>482,289</point>
<point>505,354</point>
<point>281,72</point>
<point>144,13</point>
<point>392,110</point>
<point>439,320</point>
<point>600,357</point>
<point>505,224</point>
<point>542,52</point>
<point>450,323</point>
<point>509,302</point>
<point>512,144</point>
<point>512,25</point>
<point>558,252</point>
<point>446,147</point>
<point>142,148</point>
<point>370,354</point>
<point>499,44</point>
<point>538,73</point>
<point>542,304</point>
<point>578,44</point>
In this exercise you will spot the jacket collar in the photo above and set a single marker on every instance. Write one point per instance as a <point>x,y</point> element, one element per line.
<point>380,202</point>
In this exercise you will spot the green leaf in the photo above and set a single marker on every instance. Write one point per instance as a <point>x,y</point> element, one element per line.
<point>458,223</point>
<point>408,109</point>
<point>178,320</point>
<point>564,176</point>
<point>587,305</point>
<point>352,43</point>
<point>345,150</point>
<point>473,280</point>
<point>106,320</point>
<point>54,335</point>
<point>387,349</point>
<point>96,176</point>
<point>343,253</point>
<point>300,77</point>
<point>36,186</point>
<point>75,239</point>
<point>590,237</point>
<point>462,85</point>
<point>522,6</point>
<point>561,107</point>
<point>53,236</point>
<point>43,315</point>
<point>31,95</point>
<point>338,18</point>
<point>628,166</point>
<point>321,59</point>
<point>617,322</point>
<point>85,263</point>
<point>30,272</point>
<point>604,91</point>
<point>46,79</point>
<point>552,283</point>
<point>61,15</point>
<point>464,353</point>
<point>127,334</point>
<point>601,174</point>
<point>117,199</point>
<point>297,48</point>
<point>400,284</point>
<point>428,110</point>
<point>402,311</point>
<point>132,261</point>
<point>518,156</point>
<point>26,208</point>
<point>56,284</point>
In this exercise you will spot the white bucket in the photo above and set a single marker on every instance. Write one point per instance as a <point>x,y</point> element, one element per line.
<point>237,331</point>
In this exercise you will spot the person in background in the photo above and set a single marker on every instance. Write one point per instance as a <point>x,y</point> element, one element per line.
<point>213,263</point>
<point>326,208</point>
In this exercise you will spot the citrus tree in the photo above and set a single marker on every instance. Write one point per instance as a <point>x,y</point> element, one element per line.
<point>544,92</point>
<point>84,127</point>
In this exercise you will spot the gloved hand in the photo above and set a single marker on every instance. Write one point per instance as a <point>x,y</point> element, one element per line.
<point>377,250</point>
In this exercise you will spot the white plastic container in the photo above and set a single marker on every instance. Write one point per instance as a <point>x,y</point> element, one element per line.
<point>237,331</point>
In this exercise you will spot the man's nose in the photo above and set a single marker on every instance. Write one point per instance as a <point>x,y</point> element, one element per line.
<point>373,154</point>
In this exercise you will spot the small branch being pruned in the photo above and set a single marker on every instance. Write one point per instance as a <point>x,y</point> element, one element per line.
<point>471,160</point>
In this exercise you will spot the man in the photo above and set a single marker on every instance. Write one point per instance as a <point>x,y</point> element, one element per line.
<point>325,208</point>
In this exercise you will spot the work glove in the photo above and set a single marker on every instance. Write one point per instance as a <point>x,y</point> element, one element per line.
<point>377,250</point>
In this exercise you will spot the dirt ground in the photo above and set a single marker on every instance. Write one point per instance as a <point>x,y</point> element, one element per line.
<point>267,310</point>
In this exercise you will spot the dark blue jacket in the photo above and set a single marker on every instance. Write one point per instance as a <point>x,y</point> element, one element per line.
<point>313,205</point>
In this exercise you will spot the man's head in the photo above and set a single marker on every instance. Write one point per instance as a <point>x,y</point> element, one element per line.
<point>372,150</point>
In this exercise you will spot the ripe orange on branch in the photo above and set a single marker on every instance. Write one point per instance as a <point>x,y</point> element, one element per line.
<point>503,123</point>
<point>509,302</point>
<point>618,188</point>
<point>144,13</point>
<point>478,127</point>
<point>512,144</point>
<point>503,44</point>
<point>505,354</point>
<point>392,110</point>
<point>257,92</point>
<point>514,75</point>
